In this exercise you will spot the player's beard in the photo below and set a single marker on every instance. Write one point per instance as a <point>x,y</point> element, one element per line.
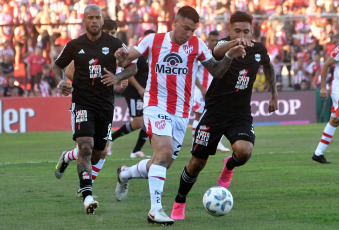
<point>91,32</point>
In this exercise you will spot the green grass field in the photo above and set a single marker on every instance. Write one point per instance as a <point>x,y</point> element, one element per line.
<point>279,188</point>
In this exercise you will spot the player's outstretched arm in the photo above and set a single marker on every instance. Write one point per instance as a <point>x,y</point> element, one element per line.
<point>329,62</point>
<point>124,57</point>
<point>223,46</point>
<point>219,68</point>
<point>271,79</point>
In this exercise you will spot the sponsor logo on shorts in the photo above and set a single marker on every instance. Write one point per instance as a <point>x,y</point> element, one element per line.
<point>203,135</point>
<point>160,124</point>
<point>81,116</point>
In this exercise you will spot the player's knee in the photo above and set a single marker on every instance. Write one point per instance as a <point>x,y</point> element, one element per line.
<point>137,123</point>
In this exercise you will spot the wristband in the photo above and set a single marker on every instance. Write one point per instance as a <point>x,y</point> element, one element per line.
<point>227,56</point>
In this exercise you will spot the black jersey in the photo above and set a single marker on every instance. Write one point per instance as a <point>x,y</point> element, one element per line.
<point>141,77</point>
<point>90,59</point>
<point>232,92</point>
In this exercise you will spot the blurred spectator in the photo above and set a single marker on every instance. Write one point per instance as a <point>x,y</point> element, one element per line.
<point>122,26</point>
<point>288,54</point>
<point>41,86</point>
<point>299,70</point>
<point>42,24</point>
<point>46,75</point>
<point>35,63</point>
<point>64,37</point>
<point>7,58</point>
<point>75,27</point>
<point>260,84</point>
<point>12,89</point>
<point>5,19</point>
<point>305,85</point>
<point>314,71</point>
<point>147,24</point>
<point>27,50</point>
<point>19,40</point>
<point>277,65</point>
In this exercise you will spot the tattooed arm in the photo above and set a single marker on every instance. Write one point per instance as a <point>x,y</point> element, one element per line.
<point>271,79</point>
<point>59,75</point>
<point>111,79</point>
<point>219,68</point>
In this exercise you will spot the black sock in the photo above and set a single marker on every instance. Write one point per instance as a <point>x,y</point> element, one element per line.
<point>141,140</point>
<point>125,129</point>
<point>234,162</point>
<point>186,184</point>
<point>85,184</point>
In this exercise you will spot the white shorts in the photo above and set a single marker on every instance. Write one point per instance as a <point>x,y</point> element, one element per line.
<point>162,123</point>
<point>199,101</point>
<point>335,109</point>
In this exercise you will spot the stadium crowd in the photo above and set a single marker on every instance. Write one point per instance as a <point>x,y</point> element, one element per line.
<point>299,35</point>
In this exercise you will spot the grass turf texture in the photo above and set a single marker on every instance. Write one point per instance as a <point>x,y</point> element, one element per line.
<point>279,188</point>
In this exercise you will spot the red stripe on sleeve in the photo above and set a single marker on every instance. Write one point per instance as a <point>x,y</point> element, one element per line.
<point>156,48</point>
<point>171,85</point>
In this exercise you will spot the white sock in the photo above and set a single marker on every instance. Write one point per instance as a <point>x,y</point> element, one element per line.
<point>138,171</point>
<point>156,181</point>
<point>96,169</point>
<point>194,126</point>
<point>326,139</point>
<point>222,136</point>
<point>71,155</point>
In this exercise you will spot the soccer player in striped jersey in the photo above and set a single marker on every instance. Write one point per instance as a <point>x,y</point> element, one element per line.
<point>332,125</point>
<point>173,63</point>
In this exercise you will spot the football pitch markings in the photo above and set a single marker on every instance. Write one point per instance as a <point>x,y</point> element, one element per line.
<point>128,159</point>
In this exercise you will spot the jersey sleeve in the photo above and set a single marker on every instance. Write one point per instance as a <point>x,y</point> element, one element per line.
<point>143,45</point>
<point>205,52</point>
<point>65,57</point>
<point>335,54</point>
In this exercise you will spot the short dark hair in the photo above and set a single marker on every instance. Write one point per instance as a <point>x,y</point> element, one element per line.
<point>214,33</point>
<point>241,16</point>
<point>109,24</point>
<point>188,12</point>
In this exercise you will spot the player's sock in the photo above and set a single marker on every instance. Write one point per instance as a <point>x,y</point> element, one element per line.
<point>234,162</point>
<point>138,171</point>
<point>326,139</point>
<point>85,184</point>
<point>194,126</point>
<point>71,155</point>
<point>141,140</point>
<point>186,184</point>
<point>96,169</point>
<point>156,181</point>
<point>125,129</point>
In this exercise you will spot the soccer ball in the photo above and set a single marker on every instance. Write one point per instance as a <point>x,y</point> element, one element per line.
<point>217,201</point>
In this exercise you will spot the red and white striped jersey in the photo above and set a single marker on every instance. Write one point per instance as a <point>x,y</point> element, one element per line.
<point>335,82</point>
<point>172,71</point>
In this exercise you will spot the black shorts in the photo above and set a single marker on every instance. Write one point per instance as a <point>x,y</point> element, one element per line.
<point>92,123</point>
<point>136,106</point>
<point>212,126</point>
